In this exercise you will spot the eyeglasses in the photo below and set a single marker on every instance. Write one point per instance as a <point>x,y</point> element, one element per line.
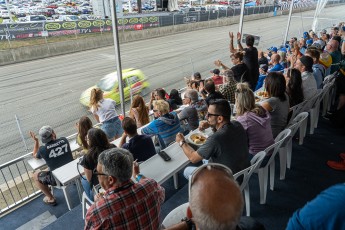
<point>209,166</point>
<point>98,174</point>
<point>211,114</point>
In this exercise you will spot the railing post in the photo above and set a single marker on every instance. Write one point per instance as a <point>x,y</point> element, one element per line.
<point>191,62</point>
<point>21,133</point>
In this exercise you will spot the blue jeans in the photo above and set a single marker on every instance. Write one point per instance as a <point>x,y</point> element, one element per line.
<point>112,127</point>
<point>87,189</point>
<point>189,170</point>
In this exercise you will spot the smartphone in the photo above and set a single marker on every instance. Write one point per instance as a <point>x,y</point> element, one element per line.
<point>164,155</point>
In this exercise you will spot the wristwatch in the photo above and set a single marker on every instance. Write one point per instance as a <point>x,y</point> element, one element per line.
<point>182,143</point>
<point>138,177</point>
<point>189,222</point>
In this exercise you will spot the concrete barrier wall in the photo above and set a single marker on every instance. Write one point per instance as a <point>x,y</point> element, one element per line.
<point>29,53</point>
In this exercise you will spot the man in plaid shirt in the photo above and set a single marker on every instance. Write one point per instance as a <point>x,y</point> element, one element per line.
<point>228,89</point>
<point>125,204</point>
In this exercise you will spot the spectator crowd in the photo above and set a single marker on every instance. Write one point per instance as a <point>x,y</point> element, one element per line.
<point>243,123</point>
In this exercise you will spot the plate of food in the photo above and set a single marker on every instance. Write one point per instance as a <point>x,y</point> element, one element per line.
<point>197,139</point>
<point>262,94</point>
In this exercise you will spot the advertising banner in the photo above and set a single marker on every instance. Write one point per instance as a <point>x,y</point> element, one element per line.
<point>12,31</point>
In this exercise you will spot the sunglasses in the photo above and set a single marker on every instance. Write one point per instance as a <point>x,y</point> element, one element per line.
<point>155,110</point>
<point>98,173</point>
<point>209,166</point>
<point>212,114</point>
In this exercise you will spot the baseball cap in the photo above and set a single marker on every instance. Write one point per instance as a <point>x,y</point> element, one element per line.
<point>316,46</point>
<point>305,35</point>
<point>215,71</point>
<point>309,42</point>
<point>323,31</point>
<point>283,49</point>
<point>264,67</point>
<point>307,61</point>
<point>273,48</point>
<point>46,133</point>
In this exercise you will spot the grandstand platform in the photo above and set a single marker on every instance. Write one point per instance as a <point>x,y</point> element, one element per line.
<point>308,176</point>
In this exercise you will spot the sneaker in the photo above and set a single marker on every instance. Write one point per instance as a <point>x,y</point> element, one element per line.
<point>342,156</point>
<point>338,165</point>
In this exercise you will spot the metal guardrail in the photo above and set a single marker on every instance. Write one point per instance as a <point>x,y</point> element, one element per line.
<point>18,186</point>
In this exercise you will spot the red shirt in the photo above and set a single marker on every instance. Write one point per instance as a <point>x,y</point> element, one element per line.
<point>135,206</point>
<point>218,80</point>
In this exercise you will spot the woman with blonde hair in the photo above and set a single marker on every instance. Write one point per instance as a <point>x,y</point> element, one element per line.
<point>104,112</point>
<point>139,111</point>
<point>255,119</point>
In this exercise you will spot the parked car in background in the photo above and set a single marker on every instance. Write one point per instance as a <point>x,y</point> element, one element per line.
<point>53,6</point>
<point>60,10</point>
<point>86,17</point>
<point>71,10</point>
<point>134,82</point>
<point>68,18</point>
<point>4,14</point>
<point>35,18</point>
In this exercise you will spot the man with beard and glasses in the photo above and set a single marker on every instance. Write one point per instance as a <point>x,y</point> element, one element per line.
<point>228,145</point>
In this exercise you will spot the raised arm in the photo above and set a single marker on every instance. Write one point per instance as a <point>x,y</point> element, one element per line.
<point>231,45</point>
<point>221,65</point>
<point>240,47</point>
<point>36,145</point>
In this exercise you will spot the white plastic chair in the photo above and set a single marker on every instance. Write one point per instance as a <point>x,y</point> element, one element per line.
<point>263,172</point>
<point>175,215</point>
<point>314,110</point>
<point>85,204</point>
<point>285,151</point>
<point>297,109</point>
<point>329,94</point>
<point>245,174</point>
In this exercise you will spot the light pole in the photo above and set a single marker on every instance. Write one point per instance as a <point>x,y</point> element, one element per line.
<point>117,55</point>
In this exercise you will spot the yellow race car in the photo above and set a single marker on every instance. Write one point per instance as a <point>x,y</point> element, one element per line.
<point>134,82</point>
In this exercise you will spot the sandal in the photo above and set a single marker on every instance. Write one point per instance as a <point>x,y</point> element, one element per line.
<point>46,201</point>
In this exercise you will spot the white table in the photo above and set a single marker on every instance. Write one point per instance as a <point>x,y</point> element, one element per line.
<point>67,174</point>
<point>160,170</point>
<point>39,163</point>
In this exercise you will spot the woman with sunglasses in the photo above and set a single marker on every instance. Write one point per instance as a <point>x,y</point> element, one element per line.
<point>98,142</point>
<point>255,120</point>
<point>239,68</point>
<point>104,111</point>
<point>277,103</point>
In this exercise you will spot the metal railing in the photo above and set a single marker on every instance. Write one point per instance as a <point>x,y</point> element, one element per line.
<point>19,185</point>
